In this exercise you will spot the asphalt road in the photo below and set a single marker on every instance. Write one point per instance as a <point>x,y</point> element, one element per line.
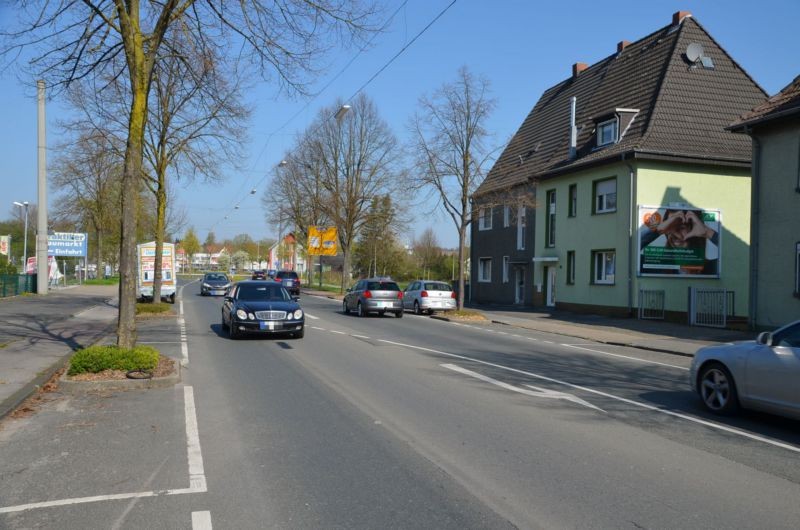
<point>383,422</point>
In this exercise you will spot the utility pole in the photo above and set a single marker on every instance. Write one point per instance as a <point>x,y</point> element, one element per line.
<point>42,269</point>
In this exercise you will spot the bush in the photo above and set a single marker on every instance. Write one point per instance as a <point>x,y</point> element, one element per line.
<point>148,307</point>
<point>95,359</point>
<point>114,280</point>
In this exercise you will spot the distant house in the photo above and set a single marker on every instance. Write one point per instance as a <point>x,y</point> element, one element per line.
<point>639,189</point>
<point>287,254</point>
<point>775,229</point>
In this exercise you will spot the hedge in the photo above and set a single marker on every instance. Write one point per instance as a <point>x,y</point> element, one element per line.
<point>110,357</point>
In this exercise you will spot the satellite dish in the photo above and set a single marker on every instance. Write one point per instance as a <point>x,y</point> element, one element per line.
<point>694,52</point>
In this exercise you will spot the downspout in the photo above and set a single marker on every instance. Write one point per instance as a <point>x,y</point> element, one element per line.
<point>754,228</point>
<point>631,213</point>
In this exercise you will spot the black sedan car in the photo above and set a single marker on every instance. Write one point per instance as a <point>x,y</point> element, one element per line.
<point>259,275</point>
<point>258,306</point>
<point>214,283</point>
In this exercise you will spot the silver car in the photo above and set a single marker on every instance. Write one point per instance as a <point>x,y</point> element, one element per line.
<point>374,295</point>
<point>762,375</point>
<point>426,296</point>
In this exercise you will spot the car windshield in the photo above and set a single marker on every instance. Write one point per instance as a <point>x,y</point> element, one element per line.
<point>437,286</point>
<point>382,286</point>
<point>263,292</point>
<point>216,278</point>
<point>289,274</point>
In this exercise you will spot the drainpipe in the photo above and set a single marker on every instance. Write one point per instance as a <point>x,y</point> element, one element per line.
<point>755,181</point>
<point>631,213</point>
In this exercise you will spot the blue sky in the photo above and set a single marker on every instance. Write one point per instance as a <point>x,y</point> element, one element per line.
<point>523,47</point>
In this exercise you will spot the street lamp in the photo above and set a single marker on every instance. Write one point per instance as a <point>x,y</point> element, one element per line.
<point>25,238</point>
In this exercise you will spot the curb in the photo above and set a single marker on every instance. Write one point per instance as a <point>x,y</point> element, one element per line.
<point>79,387</point>
<point>448,319</point>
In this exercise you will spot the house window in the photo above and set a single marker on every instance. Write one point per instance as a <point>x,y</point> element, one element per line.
<point>485,219</point>
<point>607,132</point>
<point>550,224</point>
<point>573,200</point>
<point>605,196</point>
<point>485,269</point>
<point>505,269</point>
<point>604,266</point>
<point>521,228</point>
<point>570,267</point>
<point>506,216</point>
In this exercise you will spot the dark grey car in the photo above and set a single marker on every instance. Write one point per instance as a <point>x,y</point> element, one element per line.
<point>374,295</point>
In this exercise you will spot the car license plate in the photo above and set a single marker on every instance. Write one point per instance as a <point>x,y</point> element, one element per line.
<point>384,304</point>
<point>267,325</point>
<point>216,292</point>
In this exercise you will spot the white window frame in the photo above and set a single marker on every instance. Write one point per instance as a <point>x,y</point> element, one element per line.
<point>600,275</point>
<point>521,225</point>
<point>484,221</point>
<point>550,224</point>
<point>570,267</point>
<point>506,216</point>
<point>484,270</point>
<point>614,122</point>
<point>604,196</point>
<point>506,262</point>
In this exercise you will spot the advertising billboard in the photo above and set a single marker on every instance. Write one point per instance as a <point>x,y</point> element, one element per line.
<point>5,245</point>
<point>322,241</point>
<point>67,244</point>
<point>679,240</point>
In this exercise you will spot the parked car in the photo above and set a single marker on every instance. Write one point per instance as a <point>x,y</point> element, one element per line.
<point>374,295</point>
<point>214,283</point>
<point>426,296</point>
<point>261,306</point>
<point>289,280</point>
<point>259,275</point>
<point>271,273</point>
<point>763,374</point>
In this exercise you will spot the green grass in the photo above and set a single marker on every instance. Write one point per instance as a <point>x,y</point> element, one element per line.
<point>148,308</point>
<point>114,280</point>
<point>95,359</point>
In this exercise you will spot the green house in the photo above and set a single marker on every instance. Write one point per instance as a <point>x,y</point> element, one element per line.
<point>641,194</point>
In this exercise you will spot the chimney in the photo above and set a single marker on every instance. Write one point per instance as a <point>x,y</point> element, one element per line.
<point>678,17</point>
<point>577,68</point>
<point>621,45</point>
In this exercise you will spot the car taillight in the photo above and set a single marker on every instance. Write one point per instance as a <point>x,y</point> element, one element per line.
<point>424,294</point>
<point>400,294</point>
<point>367,294</point>
<point>452,294</point>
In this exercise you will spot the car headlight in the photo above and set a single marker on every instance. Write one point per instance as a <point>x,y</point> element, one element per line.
<point>298,314</point>
<point>242,314</point>
<point>251,316</point>
<point>206,286</point>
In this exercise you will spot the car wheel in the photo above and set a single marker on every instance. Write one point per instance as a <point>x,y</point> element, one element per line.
<point>360,310</point>
<point>417,310</point>
<point>399,314</point>
<point>718,389</point>
<point>344,307</point>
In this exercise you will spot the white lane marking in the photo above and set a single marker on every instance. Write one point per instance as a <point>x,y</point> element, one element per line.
<point>540,392</point>
<point>157,342</point>
<point>338,332</point>
<point>201,520</point>
<point>706,423</point>
<point>625,357</point>
<point>312,317</point>
<point>359,336</point>
<point>548,341</point>
<point>325,298</point>
<point>97,498</point>
<point>315,327</point>
<point>182,327</point>
<point>197,476</point>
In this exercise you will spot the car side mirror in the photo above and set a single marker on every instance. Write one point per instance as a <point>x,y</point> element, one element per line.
<point>228,298</point>
<point>765,338</point>
<point>296,298</point>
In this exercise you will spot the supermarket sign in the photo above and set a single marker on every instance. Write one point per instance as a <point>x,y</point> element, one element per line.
<point>67,244</point>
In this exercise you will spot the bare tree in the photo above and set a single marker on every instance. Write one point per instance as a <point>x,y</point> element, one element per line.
<point>82,40</point>
<point>426,250</point>
<point>449,135</point>
<point>351,161</point>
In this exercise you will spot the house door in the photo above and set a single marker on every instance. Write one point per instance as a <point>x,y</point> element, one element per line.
<point>550,295</point>
<point>519,285</point>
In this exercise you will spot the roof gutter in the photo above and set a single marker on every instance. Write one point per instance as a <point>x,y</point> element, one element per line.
<point>746,126</point>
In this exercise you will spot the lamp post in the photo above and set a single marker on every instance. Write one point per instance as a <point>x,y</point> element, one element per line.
<point>25,237</point>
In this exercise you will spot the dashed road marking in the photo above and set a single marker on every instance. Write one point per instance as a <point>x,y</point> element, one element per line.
<point>312,317</point>
<point>201,520</point>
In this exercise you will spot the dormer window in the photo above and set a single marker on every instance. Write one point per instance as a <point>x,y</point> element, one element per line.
<point>607,132</point>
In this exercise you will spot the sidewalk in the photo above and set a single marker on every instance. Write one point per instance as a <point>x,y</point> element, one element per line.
<point>667,337</point>
<point>38,333</point>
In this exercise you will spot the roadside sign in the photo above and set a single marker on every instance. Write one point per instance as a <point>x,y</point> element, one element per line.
<point>5,244</point>
<point>322,241</point>
<point>67,244</point>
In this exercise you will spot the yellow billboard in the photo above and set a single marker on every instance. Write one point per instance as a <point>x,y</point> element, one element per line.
<point>322,241</point>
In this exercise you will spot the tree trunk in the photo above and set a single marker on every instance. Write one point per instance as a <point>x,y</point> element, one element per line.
<point>461,238</point>
<point>345,269</point>
<point>161,214</point>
